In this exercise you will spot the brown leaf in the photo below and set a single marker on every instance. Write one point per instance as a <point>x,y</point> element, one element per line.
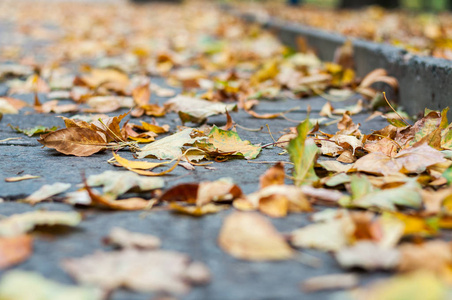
<point>74,141</point>
<point>250,236</point>
<point>14,250</point>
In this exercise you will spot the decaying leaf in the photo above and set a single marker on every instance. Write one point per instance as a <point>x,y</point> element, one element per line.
<point>123,238</point>
<point>19,224</point>
<point>47,191</point>
<point>25,285</point>
<point>250,236</point>
<point>141,271</point>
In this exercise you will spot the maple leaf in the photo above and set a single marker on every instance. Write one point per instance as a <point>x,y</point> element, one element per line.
<point>303,153</point>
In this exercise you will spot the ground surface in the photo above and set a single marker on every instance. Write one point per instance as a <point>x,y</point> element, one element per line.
<point>232,279</point>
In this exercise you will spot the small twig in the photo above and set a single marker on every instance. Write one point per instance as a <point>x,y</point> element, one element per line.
<point>269,132</point>
<point>272,144</point>
<point>386,99</point>
<point>249,129</point>
<point>270,162</point>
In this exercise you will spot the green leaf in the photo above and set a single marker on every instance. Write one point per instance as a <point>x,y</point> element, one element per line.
<point>35,130</point>
<point>303,153</point>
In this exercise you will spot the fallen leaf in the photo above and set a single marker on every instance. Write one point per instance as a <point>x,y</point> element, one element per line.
<point>47,191</point>
<point>34,130</point>
<point>141,271</point>
<point>273,176</point>
<point>116,183</point>
<point>303,153</point>
<point>26,285</point>
<point>330,282</point>
<point>197,211</point>
<point>406,195</point>
<point>411,160</point>
<point>169,147</point>
<point>20,178</point>
<point>434,256</point>
<point>332,235</point>
<point>74,141</point>
<point>14,250</point>
<point>224,143</point>
<point>141,167</point>
<point>19,224</point>
<point>277,200</point>
<point>369,256</point>
<point>122,238</point>
<point>196,110</point>
<point>250,236</point>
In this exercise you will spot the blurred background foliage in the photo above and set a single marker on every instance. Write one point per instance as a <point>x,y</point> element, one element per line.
<point>424,5</point>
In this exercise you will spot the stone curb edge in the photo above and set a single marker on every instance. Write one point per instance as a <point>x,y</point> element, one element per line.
<point>424,82</point>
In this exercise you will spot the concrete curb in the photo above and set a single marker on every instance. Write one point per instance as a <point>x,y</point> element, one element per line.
<point>425,82</point>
